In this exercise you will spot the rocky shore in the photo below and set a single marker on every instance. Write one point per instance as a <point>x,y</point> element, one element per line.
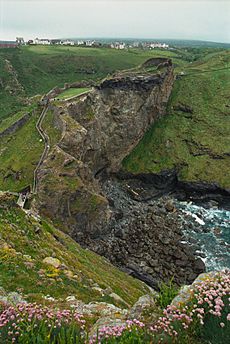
<point>145,238</point>
<point>152,185</point>
<point>118,219</point>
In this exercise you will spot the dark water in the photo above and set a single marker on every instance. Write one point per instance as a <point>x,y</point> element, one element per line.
<point>209,229</point>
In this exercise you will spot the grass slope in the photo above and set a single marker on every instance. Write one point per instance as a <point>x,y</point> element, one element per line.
<point>72,92</point>
<point>40,68</point>
<point>19,154</point>
<point>197,142</point>
<point>25,242</point>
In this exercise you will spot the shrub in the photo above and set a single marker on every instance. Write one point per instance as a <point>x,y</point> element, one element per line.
<point>167,293</point>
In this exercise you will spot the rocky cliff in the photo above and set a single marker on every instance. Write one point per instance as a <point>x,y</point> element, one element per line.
<point>97,132</point>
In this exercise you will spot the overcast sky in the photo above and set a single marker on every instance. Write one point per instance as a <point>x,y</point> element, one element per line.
<point>185,19</point>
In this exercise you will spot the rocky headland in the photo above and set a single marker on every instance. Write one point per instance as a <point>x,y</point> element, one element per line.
<point>97,131</point>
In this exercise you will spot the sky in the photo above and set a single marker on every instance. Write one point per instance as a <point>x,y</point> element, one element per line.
<point>176,19</point>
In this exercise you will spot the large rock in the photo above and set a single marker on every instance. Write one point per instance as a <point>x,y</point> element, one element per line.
<point>186,292</point>
<point>98,131</point>
<point>144,303</point>
<point>52,261</point>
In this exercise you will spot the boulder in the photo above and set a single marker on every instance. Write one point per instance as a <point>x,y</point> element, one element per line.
<point>144,303</point>
<point>52,261</point>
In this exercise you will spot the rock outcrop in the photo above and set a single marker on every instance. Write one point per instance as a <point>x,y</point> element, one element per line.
<point>98,131</point>
<point>13,85</point>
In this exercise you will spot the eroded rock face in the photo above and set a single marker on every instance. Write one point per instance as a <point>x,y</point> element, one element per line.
<point>70,196</point>
<point>98,131</point>
<point>116,114</point>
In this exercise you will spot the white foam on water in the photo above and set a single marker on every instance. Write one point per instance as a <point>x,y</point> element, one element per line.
<point>213,235</point>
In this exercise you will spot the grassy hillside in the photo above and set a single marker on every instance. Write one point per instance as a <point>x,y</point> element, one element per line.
<point>194,136</point>
<point>40,68</point>
<point>25,242</point>
<point>19,154</point>
<point>72,92</point>
<point>194,141</point>
<point>35,70</point>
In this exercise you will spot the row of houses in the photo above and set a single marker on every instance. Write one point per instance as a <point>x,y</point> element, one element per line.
<point>46,41</point>
<point>88,43</point>
<point>152,45</point>
<point>143,45</point>
<point>118,45</point>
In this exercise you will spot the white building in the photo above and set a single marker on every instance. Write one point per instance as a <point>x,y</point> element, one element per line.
<point>42,41</point>
<point>20,40</point>
<point>89,43</point>
<point>158,45</point>
<point>117,45</point>
<point>67,42</point>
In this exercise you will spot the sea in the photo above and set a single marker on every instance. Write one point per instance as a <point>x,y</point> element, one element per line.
<point>209,230</point>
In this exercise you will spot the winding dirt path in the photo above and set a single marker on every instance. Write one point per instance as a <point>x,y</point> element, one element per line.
<point>46,140</point>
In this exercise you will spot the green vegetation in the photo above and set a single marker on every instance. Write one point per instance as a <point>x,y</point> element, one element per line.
<point>25,242</point>
<point>167,293</point>
<point>72,92</point>
<point>51,127</point>
<point>19,154</point>
<point>9,121</point>
<point>193,137</point>
<point>39,69</point>
<point>201,316</point>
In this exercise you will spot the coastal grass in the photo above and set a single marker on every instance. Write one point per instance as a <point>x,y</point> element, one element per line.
<point>40,68</point>
<point>9,121</point>
<point>72,92</point>
<point>195,142</point>
<point>19,155</point>
<point>51,127</point>
<point>166,293</point>
<point>26,241</point>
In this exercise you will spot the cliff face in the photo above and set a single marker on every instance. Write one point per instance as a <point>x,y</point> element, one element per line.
<point>98,131</point>
<point>115,115</point>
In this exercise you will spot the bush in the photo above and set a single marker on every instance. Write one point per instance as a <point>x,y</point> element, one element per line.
<point>167,293</point>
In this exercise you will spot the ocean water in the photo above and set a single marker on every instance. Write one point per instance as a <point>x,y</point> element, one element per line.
<point>209,229</point>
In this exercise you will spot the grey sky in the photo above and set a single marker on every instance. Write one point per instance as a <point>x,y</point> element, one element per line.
<point>186,19</point>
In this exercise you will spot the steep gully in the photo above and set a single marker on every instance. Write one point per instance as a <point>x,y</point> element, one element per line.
<point>114,214</point>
